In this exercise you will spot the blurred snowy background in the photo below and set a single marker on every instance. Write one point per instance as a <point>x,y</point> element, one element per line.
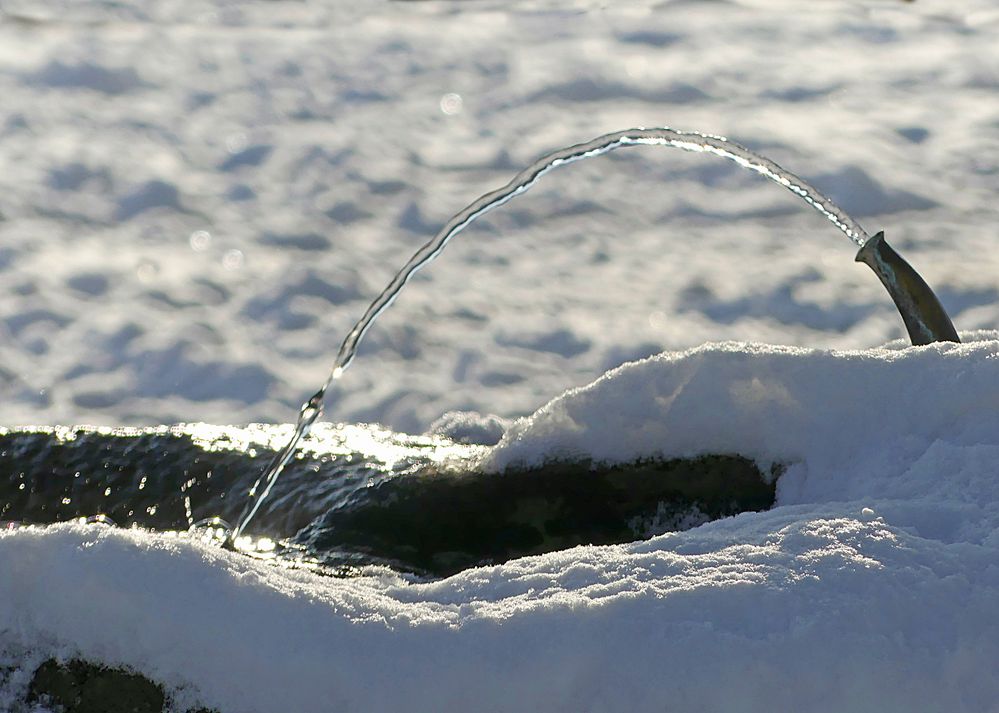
<point>198,199</point>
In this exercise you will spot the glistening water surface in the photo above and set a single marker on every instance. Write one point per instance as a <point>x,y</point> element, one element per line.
<point>355,495</point>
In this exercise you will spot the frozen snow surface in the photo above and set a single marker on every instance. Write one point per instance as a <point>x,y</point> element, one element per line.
<point>198,199</point>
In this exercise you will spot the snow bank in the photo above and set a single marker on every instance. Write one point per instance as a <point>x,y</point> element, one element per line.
<point>871,586</point>
<point>827,409</point>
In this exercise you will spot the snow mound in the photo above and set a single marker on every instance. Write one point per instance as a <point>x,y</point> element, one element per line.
<point>882,415</point>
<point>871,586</point>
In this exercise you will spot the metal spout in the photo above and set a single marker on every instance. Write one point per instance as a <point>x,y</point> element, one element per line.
<point>924,316</point>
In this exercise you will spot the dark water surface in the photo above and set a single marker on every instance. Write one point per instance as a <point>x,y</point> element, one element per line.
<point>360,494</point>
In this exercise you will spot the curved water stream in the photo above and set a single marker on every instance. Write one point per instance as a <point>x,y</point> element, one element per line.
<point>685,140</point>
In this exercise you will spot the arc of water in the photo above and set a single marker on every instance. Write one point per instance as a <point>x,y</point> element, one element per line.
<point>685,140</point>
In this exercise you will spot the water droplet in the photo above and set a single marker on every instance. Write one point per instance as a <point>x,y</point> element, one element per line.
<point>658,320</point>
<point>232,260</point>
<point>451,104</point>
<point>200,240</point>
<point>244,543</point>
<point>213,530</point>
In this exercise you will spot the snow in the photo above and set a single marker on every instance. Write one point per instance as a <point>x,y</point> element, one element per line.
<point>197,200</point>
<point>870,586</point>
<point>470,427</point>
<point>827,410</point>
<point>308,141</point>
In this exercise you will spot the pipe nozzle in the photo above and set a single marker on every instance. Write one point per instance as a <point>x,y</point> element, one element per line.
<point>923,315</point>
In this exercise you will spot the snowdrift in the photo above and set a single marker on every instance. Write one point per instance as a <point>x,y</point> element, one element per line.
<point>870,586</point>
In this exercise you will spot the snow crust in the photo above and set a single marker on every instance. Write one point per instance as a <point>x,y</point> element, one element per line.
<point>870,587</point>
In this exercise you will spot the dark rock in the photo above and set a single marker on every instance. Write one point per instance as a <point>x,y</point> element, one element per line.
<point>82,687</point>
<point>439,523</point>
